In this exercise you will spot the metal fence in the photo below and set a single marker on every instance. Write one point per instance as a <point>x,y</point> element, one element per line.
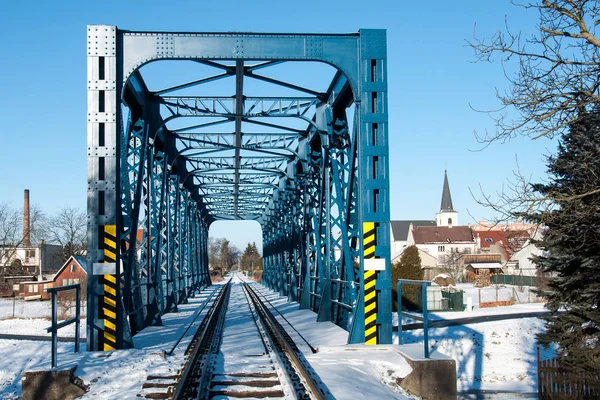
<point>517,280</point>
<point>57,325</point>
<point>423,285</point>
<point>482,297</point>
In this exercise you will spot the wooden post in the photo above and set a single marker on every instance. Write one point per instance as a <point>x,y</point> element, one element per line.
<point>496,293</point>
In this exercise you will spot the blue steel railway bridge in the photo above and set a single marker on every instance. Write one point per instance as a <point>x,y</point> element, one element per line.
<point>309,164</point>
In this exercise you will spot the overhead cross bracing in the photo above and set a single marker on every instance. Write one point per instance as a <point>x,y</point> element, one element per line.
<point>237,170</point>
<point>289,130</point>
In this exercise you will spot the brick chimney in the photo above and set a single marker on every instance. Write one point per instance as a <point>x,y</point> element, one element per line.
<point>26,221</point>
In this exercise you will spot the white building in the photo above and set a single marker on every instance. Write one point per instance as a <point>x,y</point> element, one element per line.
<point>438,241</point>
<point>29,257</point>
<point>520,262</point>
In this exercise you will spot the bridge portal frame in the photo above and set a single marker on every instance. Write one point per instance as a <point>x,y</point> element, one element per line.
<point>123,175</point>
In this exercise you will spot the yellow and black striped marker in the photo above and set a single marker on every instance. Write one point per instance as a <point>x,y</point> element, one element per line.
<point>370,278</point>
<point>109,299</point>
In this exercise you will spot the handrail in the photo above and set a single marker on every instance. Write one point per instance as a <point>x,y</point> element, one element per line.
<point>423,285</point>
<point>56,326</point>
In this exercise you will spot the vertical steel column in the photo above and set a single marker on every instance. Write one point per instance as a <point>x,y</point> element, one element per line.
<point>104,78</point>
<point>373,177</point>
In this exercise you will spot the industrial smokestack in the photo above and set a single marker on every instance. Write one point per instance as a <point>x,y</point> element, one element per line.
<point>26,221</point>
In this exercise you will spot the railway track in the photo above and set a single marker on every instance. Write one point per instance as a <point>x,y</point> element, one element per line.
<point>241,351</point>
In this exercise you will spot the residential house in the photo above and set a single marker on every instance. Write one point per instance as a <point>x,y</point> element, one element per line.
<point>73,271</point>
<point>438,241</point>
<point>29,258</point>
<point>520,261</point>
<point>24,263</point>
<point>508,226</point>
<point>514,246</point>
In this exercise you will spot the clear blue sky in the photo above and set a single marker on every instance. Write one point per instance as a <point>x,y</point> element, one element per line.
<point>431,83</point>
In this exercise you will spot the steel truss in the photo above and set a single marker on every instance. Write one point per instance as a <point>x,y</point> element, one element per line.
<point>162,172</point>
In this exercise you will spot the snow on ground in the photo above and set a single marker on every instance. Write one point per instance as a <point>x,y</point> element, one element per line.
<point>32,318</point>
<point>494,356</point>
<point>18,356</point>
<point>14,308</point>
<point>37,327</point>
<point>490,355</point>
<point>111,375</point>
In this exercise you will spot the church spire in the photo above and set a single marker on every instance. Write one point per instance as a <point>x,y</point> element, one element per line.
<point>446,198</point>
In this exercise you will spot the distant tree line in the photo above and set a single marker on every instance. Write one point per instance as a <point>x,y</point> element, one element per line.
<point>225,257</point>
<point>252,261</point>
<point>222,255</point>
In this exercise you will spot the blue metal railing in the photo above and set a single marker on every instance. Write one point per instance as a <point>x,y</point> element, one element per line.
<point>423,285</point>
<point>56,325</point>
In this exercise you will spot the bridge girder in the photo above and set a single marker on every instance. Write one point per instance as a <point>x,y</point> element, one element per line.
<point>316,182</point>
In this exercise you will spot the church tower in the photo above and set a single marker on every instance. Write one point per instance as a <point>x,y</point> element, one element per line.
<point>446,216</point>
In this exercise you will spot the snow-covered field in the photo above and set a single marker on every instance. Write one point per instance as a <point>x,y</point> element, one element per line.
<point>13,308</point>
<point>498,356</point>
<point>31,318</point>
<point>19,356</point>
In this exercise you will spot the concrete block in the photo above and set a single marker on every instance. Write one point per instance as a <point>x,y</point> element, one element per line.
<point>431,379</point>
<point>52,385</point>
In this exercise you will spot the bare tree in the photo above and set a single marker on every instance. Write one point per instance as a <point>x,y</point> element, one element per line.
<point>38,228</point>
<point>452,263</point>
<point>557,75</point>
<point>69,229</point>
<point>9,225</point>
<point>222,255</point>
<point>214,252</point>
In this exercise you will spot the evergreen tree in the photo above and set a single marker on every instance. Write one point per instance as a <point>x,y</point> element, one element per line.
<point>251,259</point>
<point>571,244</point>
<point>409,267</point>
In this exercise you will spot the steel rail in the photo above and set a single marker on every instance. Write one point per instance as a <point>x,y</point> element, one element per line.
<point>192,323</point>
<point>203,338</point>
<point>312,349</point>
<point>289,348</point>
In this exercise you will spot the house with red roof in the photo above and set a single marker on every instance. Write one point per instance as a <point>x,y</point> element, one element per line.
<point>439,240</point>
<point>73,271</point>
<point>513,246</point>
